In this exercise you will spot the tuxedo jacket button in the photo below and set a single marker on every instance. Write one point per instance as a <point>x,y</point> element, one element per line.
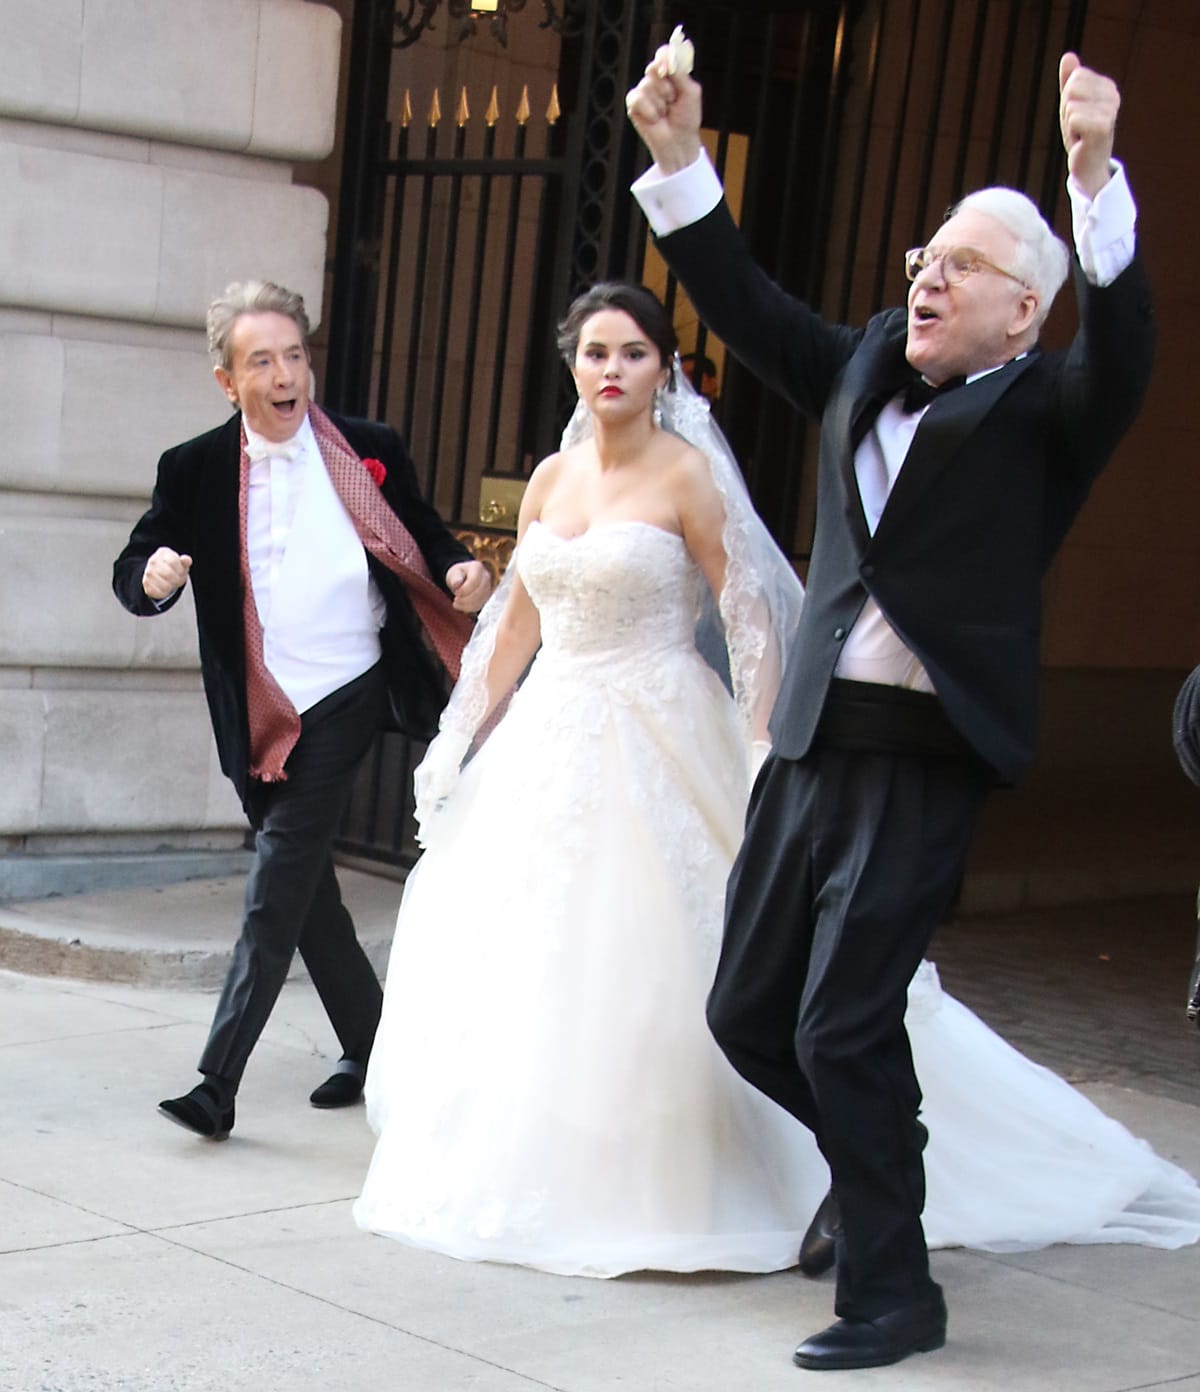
<point>839,633</point>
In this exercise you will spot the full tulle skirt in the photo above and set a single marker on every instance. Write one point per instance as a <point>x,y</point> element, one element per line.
<point>544,1087</point>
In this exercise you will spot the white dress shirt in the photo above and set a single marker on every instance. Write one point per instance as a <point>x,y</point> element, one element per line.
<point>320,610</point>
<point>1103,230</point>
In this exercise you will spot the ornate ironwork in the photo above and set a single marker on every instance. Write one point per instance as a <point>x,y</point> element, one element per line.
<point>492,546</point>
<point>569,22</point>
<point>602,126</point>
<point>410,29</point>
<point>418,17</point>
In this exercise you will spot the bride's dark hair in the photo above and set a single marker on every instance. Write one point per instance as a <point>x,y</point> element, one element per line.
<point>642,305</point>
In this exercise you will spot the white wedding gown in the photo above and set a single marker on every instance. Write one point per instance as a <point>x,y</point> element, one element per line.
<point>543,1085</point>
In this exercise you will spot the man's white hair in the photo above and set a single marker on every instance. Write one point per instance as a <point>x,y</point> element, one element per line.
<point>250,297</point>
<point>1041,259</point>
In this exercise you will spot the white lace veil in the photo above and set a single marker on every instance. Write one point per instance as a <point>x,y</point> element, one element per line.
<point>744,635</point>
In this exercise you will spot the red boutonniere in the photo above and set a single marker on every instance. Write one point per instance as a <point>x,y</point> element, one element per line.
<point>375,468</point>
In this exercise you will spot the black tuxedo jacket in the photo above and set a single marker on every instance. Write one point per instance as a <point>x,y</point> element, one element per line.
<point>194,510</point>
<point>996,473</point>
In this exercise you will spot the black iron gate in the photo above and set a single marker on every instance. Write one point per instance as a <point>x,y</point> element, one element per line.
<point>468,217</point>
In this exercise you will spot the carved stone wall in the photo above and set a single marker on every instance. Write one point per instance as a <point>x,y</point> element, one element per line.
<point>146,160</point>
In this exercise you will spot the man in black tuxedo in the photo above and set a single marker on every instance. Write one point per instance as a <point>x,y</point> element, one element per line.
<point>327,592</point>
<point>912,684</point>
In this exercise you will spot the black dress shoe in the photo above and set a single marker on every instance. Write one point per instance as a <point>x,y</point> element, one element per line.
<point>874,1343</point>
<point>819,1246</point>
<point>342,1088</point>
<point>200,1111</point>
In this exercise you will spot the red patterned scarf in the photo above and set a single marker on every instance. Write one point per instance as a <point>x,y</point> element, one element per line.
<point>274,723</point>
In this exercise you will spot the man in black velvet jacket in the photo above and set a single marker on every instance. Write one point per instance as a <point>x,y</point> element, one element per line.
<point>912,684</point>
<point>328,596</point>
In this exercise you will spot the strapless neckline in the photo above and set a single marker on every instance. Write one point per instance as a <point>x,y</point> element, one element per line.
<point>602,526</point>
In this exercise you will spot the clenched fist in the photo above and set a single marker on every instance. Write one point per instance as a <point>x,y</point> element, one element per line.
<point>665,108</point>
<point>166,571</point>
<point>1087,114</point>
<point>470,583</point>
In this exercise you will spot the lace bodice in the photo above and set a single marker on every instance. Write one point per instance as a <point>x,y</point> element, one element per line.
<point>619,590</point>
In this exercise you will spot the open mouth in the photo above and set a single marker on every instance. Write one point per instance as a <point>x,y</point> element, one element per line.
<point>923,314</point>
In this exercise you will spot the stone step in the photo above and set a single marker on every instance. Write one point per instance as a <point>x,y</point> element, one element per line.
<point>167,935</point>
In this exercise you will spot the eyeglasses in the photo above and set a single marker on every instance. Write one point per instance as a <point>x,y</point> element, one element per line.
<point>957,264</point>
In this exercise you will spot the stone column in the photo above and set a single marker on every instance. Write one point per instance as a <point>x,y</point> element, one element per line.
<point>146,159</point>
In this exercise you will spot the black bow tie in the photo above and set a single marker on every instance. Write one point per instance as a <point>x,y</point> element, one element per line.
<point>919,393</point>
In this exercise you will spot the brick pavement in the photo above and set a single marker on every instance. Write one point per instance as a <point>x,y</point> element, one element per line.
<point>1095,992</point>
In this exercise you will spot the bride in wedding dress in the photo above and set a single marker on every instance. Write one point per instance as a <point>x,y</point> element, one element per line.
<point>543,1084</point>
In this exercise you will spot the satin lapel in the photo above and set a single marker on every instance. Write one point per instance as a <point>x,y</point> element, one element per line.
<point>942,431</point>
<point>870,380</point>
<point>217,515</point>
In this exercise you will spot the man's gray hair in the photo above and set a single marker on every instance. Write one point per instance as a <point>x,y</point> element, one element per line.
<point>1042,259</point>
<point>250,297</point>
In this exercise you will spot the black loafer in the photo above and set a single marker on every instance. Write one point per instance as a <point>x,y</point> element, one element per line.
<point>200,1111</point>
<point>342,1088</point>
<point>878,1342</point>
<point>819,1246</point>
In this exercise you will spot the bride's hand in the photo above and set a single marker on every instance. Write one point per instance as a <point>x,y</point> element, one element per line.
<point>437,773</point>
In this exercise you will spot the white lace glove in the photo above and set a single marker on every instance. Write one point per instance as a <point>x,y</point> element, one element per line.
<point>759,749</point>
<point>436,775</point>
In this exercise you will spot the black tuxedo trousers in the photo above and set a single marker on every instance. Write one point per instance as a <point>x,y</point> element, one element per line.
<point>850,861</point>
<point>292,898</point>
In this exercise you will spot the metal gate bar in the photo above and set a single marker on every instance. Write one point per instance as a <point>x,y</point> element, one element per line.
<point>506,286</point>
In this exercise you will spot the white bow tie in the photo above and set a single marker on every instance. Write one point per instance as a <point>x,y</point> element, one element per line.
<point>271,449</point>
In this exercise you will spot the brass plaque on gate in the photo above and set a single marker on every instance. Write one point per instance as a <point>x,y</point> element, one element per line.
<point>500,499</point>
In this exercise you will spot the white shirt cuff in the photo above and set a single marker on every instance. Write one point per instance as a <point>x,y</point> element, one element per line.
<point>1103,227</point>
<point>672,201</point>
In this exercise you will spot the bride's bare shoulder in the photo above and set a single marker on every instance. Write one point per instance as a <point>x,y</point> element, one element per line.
<point>687,465</point>
<point>547,472</point>
<point>547,478</point>
<point>555,466</point>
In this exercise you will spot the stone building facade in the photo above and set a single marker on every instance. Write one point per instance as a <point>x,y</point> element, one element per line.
<point>147,153</point>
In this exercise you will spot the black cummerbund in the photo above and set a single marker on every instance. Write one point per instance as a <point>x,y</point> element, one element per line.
<point>871,718</point>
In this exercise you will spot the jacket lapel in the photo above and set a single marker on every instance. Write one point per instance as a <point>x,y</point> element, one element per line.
<point>870,381</point>
<point>217,519</point>
<point>943,429</point>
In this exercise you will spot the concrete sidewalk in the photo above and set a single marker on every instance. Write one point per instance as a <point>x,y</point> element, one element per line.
<point>135,1257</point>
